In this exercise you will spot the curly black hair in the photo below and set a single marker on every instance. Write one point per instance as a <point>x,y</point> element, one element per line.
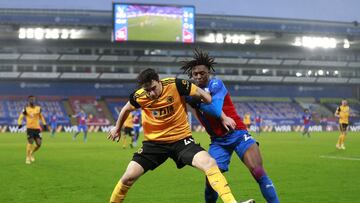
<point>200,58</point>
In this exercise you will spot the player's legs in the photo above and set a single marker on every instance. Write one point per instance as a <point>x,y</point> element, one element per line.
<point>136,136</point>
<point>306,130</point>
<point>150,156</point>
<point>77,132</point>
<point>222,157</point>
<point>127,133</point>
<point>340,139</point>
<point>38,142</point>
<point>203,161</point>
<point>53,129</point>
<point>258,129</point>
<point>84,129</point>
<point>29,148</point>
<point>132,173</point>
<point>343,136</point>
<point>253,161</point>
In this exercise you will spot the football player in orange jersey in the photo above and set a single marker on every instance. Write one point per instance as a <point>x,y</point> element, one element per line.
<point>33,115</point>
<point>166,133</point>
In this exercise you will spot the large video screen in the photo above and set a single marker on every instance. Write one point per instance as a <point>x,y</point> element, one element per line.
<point>140,22</point>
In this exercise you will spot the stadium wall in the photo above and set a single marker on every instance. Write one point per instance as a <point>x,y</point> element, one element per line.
<point>124,89</point>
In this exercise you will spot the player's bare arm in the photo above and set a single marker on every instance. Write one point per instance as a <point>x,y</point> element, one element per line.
<point>204,96</point>
<point>337,112</point>
<point>115,132</point>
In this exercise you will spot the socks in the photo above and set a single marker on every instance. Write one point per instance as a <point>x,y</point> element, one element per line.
<point>29,148</point>
<point>210,194</point>
<point>119,193</point>
<point>266,186</point>
<point>219,184</point>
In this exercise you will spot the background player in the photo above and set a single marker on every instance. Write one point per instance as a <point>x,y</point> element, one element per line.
<point>258,120</point>
<point>33,115</point>
<point>53,122</point>
<point>247,120</point>
<point>306,118</point>
<point>128,130</point>
<point>136,115</point>
<point>224,142</point>
<point>343,113</point>
<point>82,118</point>
<point>166,133</point>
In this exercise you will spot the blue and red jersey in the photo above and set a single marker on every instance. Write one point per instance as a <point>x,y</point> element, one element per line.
<point>257,120</point>
<point>81,118</point>
<point>221,101</point>
<point>136,118</point>
<point>306,117</point>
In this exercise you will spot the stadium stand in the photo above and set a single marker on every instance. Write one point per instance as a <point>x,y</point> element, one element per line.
<point>318,111</point>
<point>115,105</point>
<point>11,106</point>
<point>92,107</point>
<point>274,111</point>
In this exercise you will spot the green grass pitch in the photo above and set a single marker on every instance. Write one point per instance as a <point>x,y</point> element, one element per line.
<point>155,28</point>
<point>303,169</point>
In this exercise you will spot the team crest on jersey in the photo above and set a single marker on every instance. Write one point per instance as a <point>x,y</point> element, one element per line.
<point>170,99</point>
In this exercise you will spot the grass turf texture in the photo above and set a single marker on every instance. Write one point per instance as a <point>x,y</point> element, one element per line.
<point>73,171</point>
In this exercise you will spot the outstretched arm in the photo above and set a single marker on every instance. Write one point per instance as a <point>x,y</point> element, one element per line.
<point>115,132</point>
<point>337,112</point>
<point>21,117</point>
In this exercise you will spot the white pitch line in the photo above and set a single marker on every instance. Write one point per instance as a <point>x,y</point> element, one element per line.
<point>340,157</point>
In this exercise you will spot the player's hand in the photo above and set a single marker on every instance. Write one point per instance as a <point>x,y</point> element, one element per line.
<point>228,123</point>
<point>20,126</point>
<point>115,134</point>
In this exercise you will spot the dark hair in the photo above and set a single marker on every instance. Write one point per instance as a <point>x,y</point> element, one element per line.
<point>31,96</point>
<point>146,76</point>
<point>200,58</point>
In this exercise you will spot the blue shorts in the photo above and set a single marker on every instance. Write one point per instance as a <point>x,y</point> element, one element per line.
<point>221,148</point>
<point>137,129</point>
<point>82,128</point>
<point>306,126</point>
<point>53,125</point>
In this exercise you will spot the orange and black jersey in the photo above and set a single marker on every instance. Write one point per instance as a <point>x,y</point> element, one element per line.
<point>165,119</point>
<point>344,113</point>
<point>33,116</point>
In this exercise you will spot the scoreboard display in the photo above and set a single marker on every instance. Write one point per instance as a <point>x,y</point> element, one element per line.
<point>157,23</point>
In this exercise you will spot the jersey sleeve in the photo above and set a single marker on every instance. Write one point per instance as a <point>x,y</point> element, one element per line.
<point>217,89</point>
<point>218,92</point>
<point>132,100</point>
<point>185,87</point>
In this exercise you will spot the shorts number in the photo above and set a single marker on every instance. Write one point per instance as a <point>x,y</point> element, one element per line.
<point>188,141</point>
<point>247,137</point>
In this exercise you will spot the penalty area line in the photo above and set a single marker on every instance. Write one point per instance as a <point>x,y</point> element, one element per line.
<point>340,157</point>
